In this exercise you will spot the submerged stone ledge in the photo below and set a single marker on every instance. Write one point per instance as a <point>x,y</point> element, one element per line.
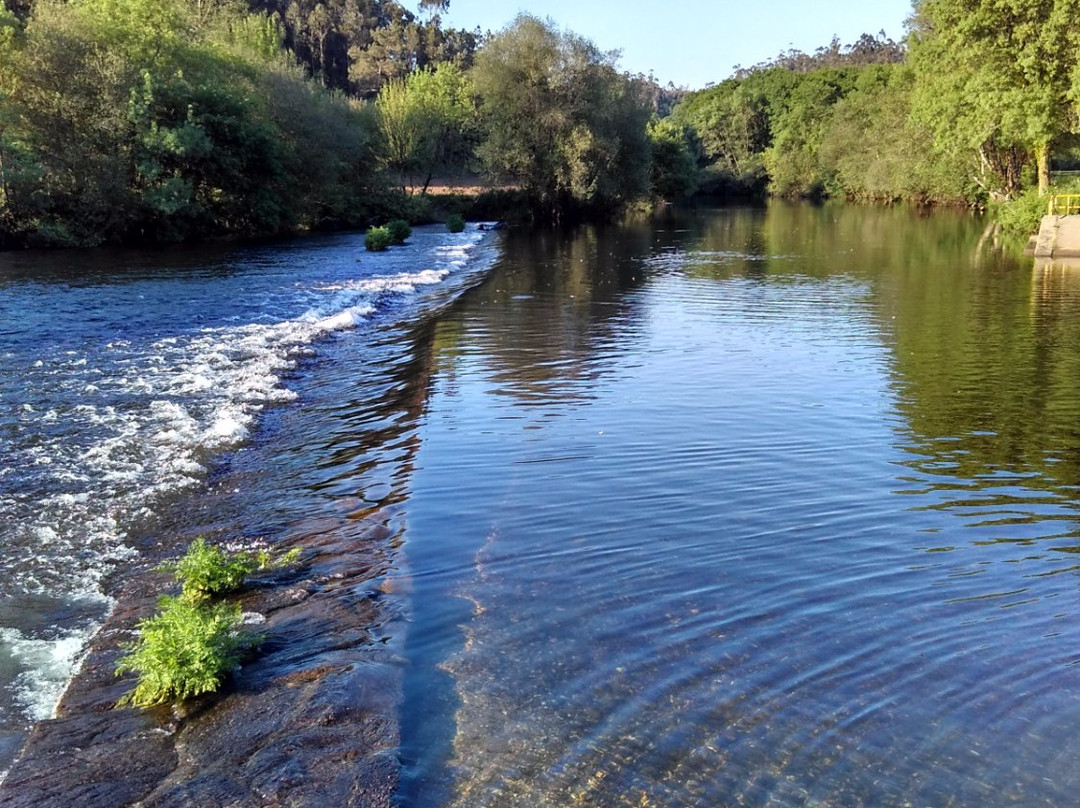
<point>310,721</point>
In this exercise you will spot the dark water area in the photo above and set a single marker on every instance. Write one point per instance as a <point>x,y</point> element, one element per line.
<point>769,507</point>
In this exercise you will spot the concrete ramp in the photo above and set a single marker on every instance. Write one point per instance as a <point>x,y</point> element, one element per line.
<point>1059,237</point>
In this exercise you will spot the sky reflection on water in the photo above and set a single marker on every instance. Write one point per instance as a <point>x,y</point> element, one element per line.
<point>749,508</point>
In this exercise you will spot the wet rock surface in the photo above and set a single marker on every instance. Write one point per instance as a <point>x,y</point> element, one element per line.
<point>311,720</point>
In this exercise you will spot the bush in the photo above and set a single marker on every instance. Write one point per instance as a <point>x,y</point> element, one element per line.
<point>1021,216</point>
<point>377,239</point>
<point>399,231</point>
<point>455,223</point>
<point>185,650</point>
<point>416,209</point>
<point>190,645</point>
<point>207,570</point>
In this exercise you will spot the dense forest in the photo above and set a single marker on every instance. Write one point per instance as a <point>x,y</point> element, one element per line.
<point>163,120</point>
<point>972,108</point>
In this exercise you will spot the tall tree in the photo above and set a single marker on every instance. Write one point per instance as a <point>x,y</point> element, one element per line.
<point>427,123</point>
<point>993,78</point>
<point>561,120</point>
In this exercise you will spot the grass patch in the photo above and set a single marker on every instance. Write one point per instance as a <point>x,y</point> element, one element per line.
<point>455,222</point>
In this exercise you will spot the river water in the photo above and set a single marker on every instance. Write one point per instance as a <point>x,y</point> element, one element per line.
<point>767,507</point>
<point>130,380</point>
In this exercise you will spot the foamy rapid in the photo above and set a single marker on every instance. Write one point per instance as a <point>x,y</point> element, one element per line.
<point>103,433</point>
<point>47,664</point>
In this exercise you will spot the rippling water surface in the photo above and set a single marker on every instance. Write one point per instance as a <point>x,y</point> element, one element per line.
<point>734,507</point>
<point>750,508</point>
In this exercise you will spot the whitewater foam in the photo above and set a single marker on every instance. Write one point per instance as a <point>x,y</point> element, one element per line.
<point>46,667</point>
<point>108,433</point>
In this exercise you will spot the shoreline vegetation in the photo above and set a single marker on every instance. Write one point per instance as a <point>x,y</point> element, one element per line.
<point>163,121</point>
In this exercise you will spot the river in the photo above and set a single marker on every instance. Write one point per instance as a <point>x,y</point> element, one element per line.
<point>770,507</point>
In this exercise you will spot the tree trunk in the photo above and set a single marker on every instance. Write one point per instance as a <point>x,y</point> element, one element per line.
<point>1042,159</point>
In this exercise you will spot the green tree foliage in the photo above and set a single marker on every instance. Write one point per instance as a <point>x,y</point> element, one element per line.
<point>802,127</point>
<point>792,160</point>
<point>875,151</point>
<point>867,50</point>
<point>993,81</point>
<point>427,121</point>
<point>358,46</point>
<point>164,119</point>
<point>674,169</point>
<point>561,120</point>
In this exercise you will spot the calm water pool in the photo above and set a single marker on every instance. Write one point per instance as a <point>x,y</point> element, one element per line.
<point>749,508</point>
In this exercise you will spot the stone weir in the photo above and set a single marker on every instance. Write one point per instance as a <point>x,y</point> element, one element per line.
<point>310,721</point>
<point>1058,237</point>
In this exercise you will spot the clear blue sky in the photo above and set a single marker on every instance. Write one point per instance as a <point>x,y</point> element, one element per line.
<point>694,42</point>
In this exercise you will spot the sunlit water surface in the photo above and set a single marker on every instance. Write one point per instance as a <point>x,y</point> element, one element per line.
<point>734,507</point>
<point>126,380</point>
<point>750,508</point>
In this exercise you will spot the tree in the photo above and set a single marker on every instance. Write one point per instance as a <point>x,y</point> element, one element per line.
<point>167,119</point>
<point>792,159</point>
<point>674,170</point>
<point>560,120</point>
<point>993,80</point>
<point>873,149</point>
<point>357,46</point>
<point>733,122</point>
<point>426,121</point>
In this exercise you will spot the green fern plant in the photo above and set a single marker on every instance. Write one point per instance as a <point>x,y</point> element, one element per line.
<point>191,644</point>
<point>207,569</point>
<point>184,650</point>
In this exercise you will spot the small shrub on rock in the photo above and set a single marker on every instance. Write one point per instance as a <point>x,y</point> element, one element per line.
<point>192,644</point>
<point>184,650</point>
<point>377,239</point>
<point>455,223</point>
<point>399,231</point>
<point>207,569</point>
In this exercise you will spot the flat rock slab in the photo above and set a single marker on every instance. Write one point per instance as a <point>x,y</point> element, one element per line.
<point>311,721</point>
<point>1058,237</point>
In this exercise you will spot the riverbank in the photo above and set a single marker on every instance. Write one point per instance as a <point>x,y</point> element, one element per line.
<point>312,719</point>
